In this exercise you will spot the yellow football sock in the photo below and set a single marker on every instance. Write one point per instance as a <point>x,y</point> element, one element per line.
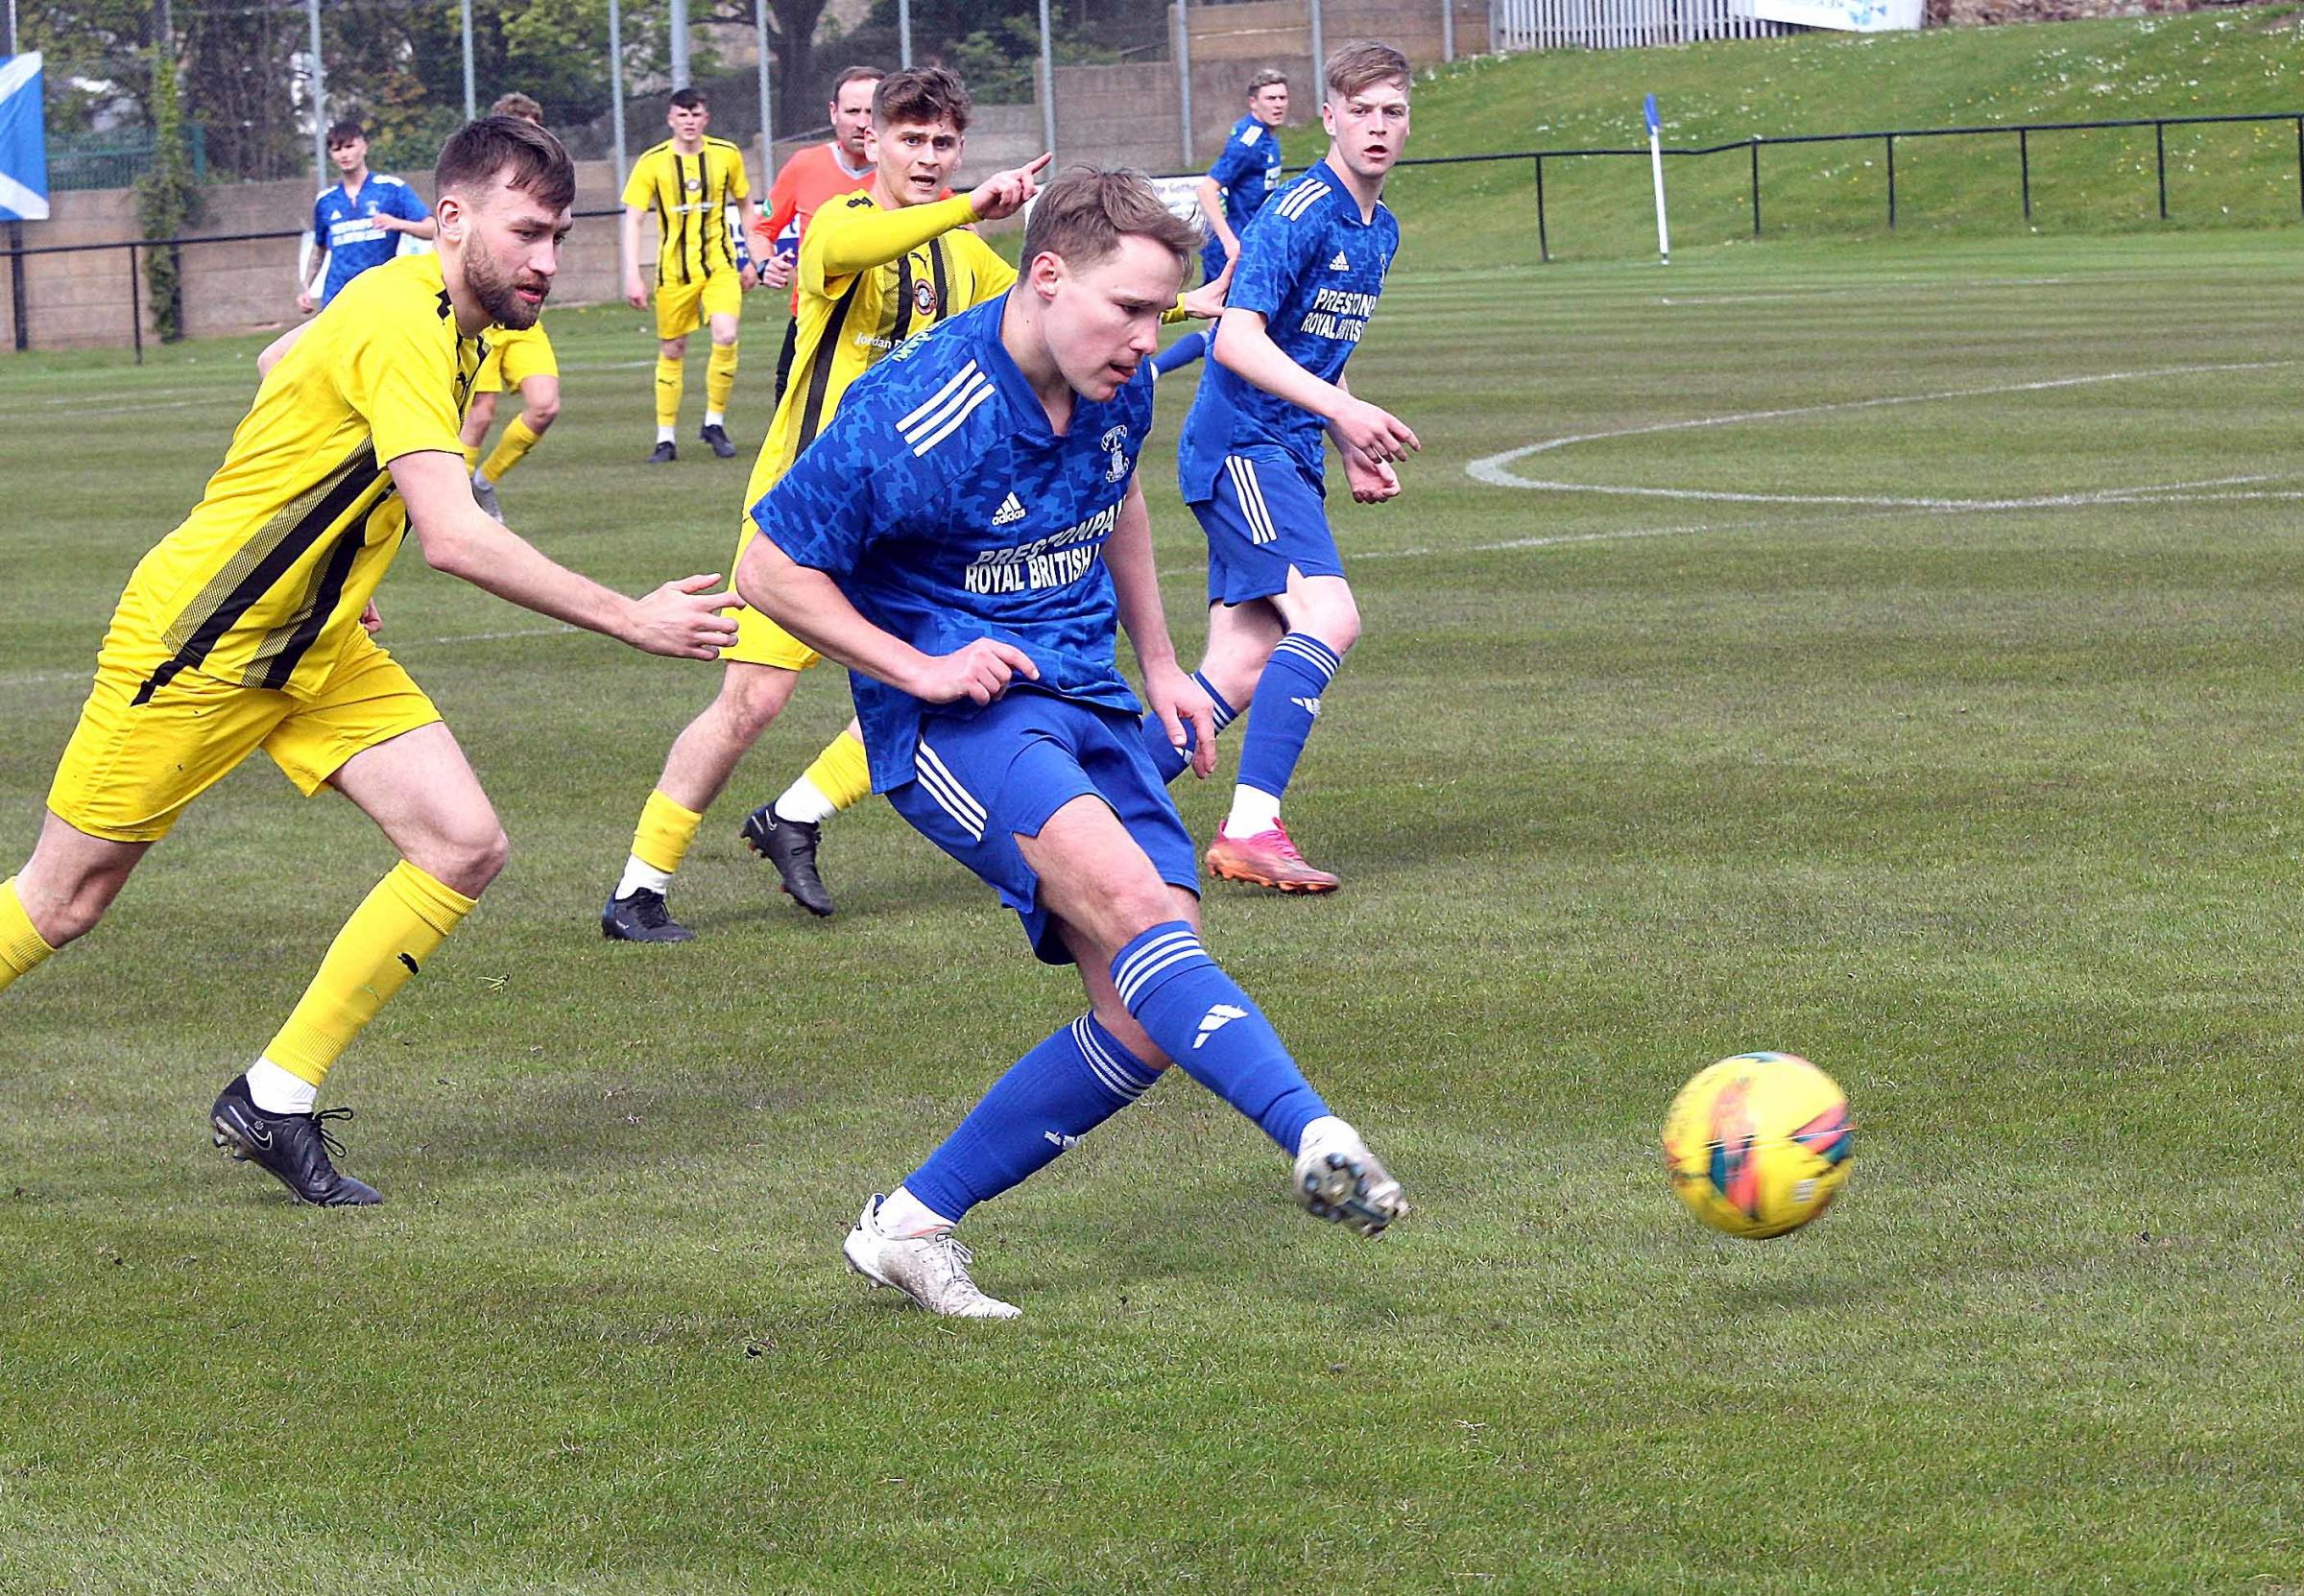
<point>720,377</point>
<point>664,833</point>
<point>21,947</point>
<point>510,450</point>
<point>842,773</point>
<point>670,375</point>
<point>406,917</point>
<point>472,457</point>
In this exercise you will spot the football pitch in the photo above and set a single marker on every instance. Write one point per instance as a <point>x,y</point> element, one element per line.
<point>1887,652</point>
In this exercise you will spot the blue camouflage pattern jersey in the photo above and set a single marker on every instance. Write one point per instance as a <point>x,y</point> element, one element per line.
<point>948,510</point>
<point>1248,171</point>
<point>344,226</point>
<point>1312,270</point>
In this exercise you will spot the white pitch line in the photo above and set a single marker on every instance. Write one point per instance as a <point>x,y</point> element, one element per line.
<point>2045,501</point>
<point>1494,470</point>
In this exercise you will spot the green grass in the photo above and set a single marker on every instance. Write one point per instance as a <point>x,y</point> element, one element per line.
<point>1957,755</point>
<point>2220,62</point>
<point>1988,810</point>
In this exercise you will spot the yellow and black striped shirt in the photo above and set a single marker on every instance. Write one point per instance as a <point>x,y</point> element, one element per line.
<point>690,196</point>
<point>265,580</point>
<point>869,278</point>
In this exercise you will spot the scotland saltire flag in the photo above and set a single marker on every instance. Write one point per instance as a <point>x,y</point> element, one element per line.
<point>23,147</point>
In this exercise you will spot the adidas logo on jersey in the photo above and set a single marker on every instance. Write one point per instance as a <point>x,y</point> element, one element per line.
<point>1012,508</point>
<point>1215,1020</point>
<point>1339,264</point>
<point>1311,706</point>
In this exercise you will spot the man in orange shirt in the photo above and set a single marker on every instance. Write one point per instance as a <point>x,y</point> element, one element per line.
<point>820,173</point>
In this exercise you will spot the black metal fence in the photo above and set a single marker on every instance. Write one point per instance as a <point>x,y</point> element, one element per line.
<point>1887,138</point>
<point>1751,148</point>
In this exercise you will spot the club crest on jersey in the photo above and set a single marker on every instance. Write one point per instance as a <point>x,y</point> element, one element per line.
<point>923,299</point>
<point>694,185</point>
<point>1114,444</point>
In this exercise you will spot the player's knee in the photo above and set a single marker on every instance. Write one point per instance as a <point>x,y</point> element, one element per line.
<point>1335,620</point>
<point>752,698</point>
<point>470,859</point>
<point>673,348</point>
<point>541,413</point>
<point>1136,901</point>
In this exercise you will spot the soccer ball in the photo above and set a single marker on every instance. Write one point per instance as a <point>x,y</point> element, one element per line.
<point>1758,1144</point>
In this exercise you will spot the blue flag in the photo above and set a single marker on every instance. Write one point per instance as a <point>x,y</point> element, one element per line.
<point>23,146</point>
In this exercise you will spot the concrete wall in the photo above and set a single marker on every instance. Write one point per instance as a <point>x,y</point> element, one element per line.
<point>1126,115</point>
<point>82,301</point>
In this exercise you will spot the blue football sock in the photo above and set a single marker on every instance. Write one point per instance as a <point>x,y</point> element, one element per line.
<point>1213,1032</point>
<point>1281,713</point>
<point>1183,353</point>
<point>1167,758</point>
<point>1049,1099</point>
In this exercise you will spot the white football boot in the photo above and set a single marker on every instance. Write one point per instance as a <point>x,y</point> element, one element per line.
<point>1338,1178</point>
<point>483,494</point>
<point>932,1270</point>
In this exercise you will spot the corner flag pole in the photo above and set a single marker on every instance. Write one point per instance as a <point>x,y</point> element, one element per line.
<point>1664,235</point>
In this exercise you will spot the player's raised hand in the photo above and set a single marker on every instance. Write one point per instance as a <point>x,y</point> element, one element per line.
<point>982,671</point>
<point>1181,701</point>
<point>682,620</point>
<point>1005,192</point>
<point>1207,301</point>
<point>1375,432</point>
<point>1371,481</point>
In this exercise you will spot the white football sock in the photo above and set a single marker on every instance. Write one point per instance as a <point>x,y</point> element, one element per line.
<point>278,1091</point>
<point>638,874</point>
<point>1326,1128</point>
<point>804,802</point>
<point>903,1216</point>
<point>1253,810</point>
<point>668,435</point>
<point>714,419</point>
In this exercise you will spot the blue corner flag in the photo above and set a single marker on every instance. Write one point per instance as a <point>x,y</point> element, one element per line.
<point>23,146</point>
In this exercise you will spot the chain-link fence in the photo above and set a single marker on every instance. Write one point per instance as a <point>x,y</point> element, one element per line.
<point>202,121</point>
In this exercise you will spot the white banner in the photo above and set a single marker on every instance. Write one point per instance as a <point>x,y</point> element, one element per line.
<point>1851,17</point>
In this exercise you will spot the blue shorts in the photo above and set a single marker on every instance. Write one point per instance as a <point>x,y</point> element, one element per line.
<point>1268,513</point>
<point>982,779</point>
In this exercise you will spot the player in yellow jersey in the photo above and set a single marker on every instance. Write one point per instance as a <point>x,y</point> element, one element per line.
<point>687,182</point>
<point>875,267</point>
<point>518,361</point>
<point>249,627</point>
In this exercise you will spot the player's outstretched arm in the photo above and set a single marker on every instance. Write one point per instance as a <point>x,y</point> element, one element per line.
<point>1212,211</point>
<point>809,604</point>
<point>680,619</point>
<point>628,243</point>
<point>1168,692</point>
<point>1245,348</point>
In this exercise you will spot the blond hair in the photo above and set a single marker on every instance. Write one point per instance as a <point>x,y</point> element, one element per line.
<point>1361,65</point>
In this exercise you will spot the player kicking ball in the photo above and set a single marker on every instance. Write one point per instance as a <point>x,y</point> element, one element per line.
<point>249,627</point>
<point>1280,615</point>
<point>981,648</point>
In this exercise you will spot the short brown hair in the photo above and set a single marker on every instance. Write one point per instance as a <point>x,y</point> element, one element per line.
<point>516,104</point>
<point>530,158</point>
<point>1362,64</point>
<point>921,94</point>
<point>1265,79</point>
<point>1083,214</point>
<point>854,75</point>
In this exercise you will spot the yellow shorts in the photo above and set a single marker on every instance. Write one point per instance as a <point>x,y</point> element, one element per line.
<point>681,308</point>
<point>512,358</point>
<point>760,641</point>
<point>131,769</point>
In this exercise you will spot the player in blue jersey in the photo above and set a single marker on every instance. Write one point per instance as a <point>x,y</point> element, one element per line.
<point>966,536</point>
<point>1236,188</point>
<point>1280,614</point>
<point>359,223</point>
